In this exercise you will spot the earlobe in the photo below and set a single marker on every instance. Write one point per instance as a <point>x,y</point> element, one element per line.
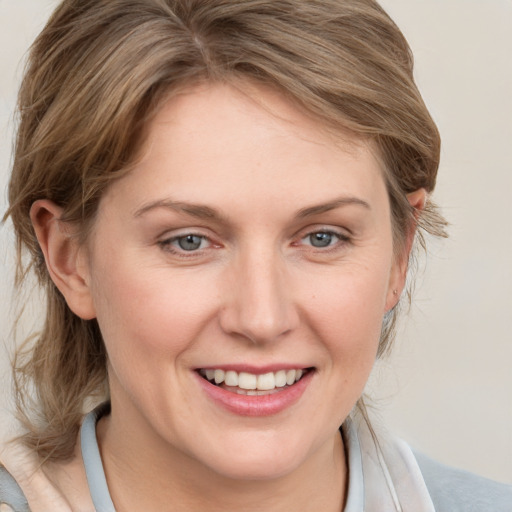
<point>417,200</point>
<point>65,259</point>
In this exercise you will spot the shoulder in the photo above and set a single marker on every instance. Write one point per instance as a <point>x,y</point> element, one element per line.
<point>10,492</point>
<point>26,482</point>
<point>455,490</point>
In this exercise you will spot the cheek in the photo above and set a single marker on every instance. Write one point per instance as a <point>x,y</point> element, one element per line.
<point>354,298</point>
<point>145,315</point>
<point>347,315</point>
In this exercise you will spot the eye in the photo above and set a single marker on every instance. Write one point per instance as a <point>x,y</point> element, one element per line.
<point>190,242</point>
<point>185,243</point>
<point>323,239</point>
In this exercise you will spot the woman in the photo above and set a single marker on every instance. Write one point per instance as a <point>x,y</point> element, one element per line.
<point>220,200</point>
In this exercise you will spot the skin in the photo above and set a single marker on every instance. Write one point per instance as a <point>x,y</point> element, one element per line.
<point>257,291</point>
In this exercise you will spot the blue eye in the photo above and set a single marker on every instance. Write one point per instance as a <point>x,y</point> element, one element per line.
<point>323,239</point>
<point>189,242</point>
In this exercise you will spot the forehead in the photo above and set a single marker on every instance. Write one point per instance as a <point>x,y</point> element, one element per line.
<point>215,141</point>
<point>221,109</point>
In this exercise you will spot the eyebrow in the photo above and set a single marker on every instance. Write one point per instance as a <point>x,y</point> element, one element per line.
<point>332,205</point>
<point>195,210</point>
<point>206,212</point>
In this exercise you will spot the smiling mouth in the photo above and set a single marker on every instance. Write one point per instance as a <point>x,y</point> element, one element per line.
<point>244,383</point>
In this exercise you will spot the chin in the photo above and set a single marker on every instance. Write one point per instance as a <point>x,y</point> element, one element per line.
<point>257,457</point>
<point>249,468</point>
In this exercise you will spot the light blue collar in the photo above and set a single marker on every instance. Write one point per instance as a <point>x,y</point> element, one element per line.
<point>98,487</point>
<point>92,461</point>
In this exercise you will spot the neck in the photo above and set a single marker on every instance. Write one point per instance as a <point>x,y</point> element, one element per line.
<point>144,473</point>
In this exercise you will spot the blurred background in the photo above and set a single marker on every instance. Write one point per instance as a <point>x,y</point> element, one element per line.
<point>447,388</point>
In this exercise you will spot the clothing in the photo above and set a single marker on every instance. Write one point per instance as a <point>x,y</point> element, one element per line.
<point>384,476</point>
<point>455,490</point>
<point>10,493</point>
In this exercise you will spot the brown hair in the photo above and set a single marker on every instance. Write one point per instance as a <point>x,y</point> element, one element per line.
<point>94,77</point>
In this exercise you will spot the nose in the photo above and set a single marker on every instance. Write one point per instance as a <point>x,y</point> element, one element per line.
<point>259,305</point>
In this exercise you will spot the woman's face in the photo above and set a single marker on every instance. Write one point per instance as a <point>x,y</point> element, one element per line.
<point>247,243</point>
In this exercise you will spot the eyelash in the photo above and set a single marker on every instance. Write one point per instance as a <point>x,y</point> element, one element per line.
<point>168,246</point>
<point>340,240</point>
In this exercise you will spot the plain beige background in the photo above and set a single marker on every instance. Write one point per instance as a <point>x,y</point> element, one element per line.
<point>448,387</point>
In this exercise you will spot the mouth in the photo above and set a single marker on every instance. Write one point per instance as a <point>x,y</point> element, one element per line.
<point>251,384</point>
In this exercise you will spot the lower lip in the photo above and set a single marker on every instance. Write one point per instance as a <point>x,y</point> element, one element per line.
<point>262,405</point>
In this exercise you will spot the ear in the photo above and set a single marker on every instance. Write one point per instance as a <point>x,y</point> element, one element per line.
<point>417,200</point>
<point>65,258</point>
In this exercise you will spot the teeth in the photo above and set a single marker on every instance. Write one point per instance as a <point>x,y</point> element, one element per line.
<point>290,377</point>
<point>247,381</point>
<point>252,383</point>
<point>280,379</point>
<point>266,381</point>
<point>231,378</point>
